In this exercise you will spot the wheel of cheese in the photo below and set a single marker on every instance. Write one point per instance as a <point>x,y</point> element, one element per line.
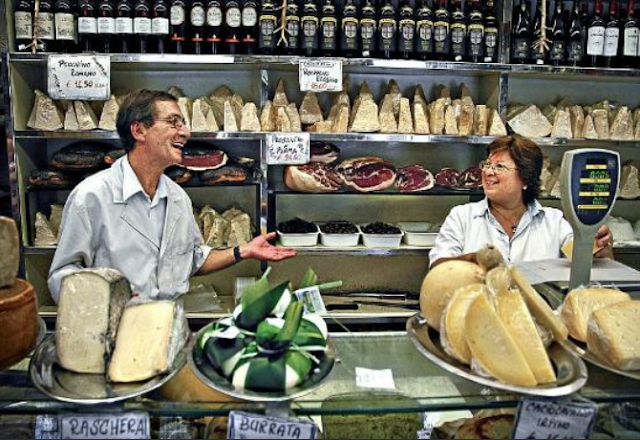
<point>19,318</point>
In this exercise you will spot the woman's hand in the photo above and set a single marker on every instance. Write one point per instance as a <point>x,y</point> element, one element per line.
<point>604,240</point>
<point>260,249</point>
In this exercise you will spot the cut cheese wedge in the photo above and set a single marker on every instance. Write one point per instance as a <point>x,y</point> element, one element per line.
<point>452,327</point>
<point>614,333</point>
<point>516,317</point>
<point>539,307</point>
<point>493,347</point>
<point>582,302</point>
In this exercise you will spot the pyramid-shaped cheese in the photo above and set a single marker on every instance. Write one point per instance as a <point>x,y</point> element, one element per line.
<point>249,120</point>
<point>562,125</point>
<point>70,119</point>
<point>268,117</point>
<point>589,129</point>
<point>45,116</point>
<point>481,120</point>
<point>405,121</point>
<point>530,122</point>
<point>388,123</point>
<point>310,111</point>
<point>420,119</point>
<point>87,119</point>
<point>496,126</point>
<point>109,114</point>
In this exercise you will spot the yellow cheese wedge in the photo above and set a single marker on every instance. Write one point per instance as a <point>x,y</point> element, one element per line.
<point>516,317</point>
<point>614,333</point>
<point>452,328</point>
<point>539,307</point>
<point>580,303</point>
<point>493,347</point>
<point>567,249</point>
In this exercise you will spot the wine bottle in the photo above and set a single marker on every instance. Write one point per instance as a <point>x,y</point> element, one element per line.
<point>124,26</point>
<point>65,23</point>
<point>595,37</point>
<point>45,27</point>
<point>611,35</point>
<point>292,28</point>
<point>177,26</point>
<point>268,24</point>
<point>87,25</point>
<point>197,19</point>
<point>368,29</point>
<point>350,26</point>
<point>491,34</point>
<point>214,27</point>
<point>232,23</point>
<point>406,31</point>
<point>458,32</point>
<point>630,39</point>
<point>23,25</point>
<point>521,35</point>
<point>328,28</point>
<point>538,52</point>
<point>424,30</point>
<point>106,26</point>
<point>441,32</point>
<point>249,26</point>
<point>475,33</point>
<point>557,55</point>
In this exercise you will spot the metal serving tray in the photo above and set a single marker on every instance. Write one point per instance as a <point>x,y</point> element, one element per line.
<point>570,369</point>
<point>579,348</point>
<point>207,374</point>
<point>89,389</point>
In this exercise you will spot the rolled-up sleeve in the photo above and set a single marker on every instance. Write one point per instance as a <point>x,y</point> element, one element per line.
<point>450,239</point>
<point>200,250</point>
<point>75,249</point>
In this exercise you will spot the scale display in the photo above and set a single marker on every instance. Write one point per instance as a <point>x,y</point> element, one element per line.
<point>594,185</point>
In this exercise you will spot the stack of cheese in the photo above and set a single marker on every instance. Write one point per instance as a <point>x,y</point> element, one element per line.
<point>268,344</point>
<point>220,231</point>
<point>493,321</point>
<point>603,120</point>
<point>98,332</point>
<point>608,321</point>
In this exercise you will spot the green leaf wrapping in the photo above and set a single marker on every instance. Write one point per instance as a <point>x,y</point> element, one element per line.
<point>217,326</point>
<point>311,333</point>
<point>299,363</point>
<point>257,311</point>
<point>309,279</point>
<point>275,335</point>
<point>262,373</point>
<point>254,291</point>
<point>224,354</point>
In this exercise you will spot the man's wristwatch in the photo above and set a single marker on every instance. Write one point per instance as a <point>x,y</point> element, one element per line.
<point>236,254</point>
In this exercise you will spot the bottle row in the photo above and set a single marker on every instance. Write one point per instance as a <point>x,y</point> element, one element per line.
<point>422,29</point>
<point>579,38</point>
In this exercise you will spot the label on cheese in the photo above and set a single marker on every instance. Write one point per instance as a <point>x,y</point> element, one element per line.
<point>83,77</point>
<point>247,425</point>
<point>320,75</point>
<point>539,418</point>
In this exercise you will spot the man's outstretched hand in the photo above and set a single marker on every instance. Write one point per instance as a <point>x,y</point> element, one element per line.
<point>260,249</point>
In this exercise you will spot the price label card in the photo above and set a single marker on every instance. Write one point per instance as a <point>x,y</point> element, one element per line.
<point>84,77</point>
<point>288,148</point>
<point>247,425</point>
<point>320,75</point>
<point>368,378</point>
<point>312,300</point>
<point>544,419</point>
<point>113,426</point>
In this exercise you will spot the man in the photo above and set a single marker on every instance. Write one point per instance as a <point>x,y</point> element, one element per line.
<point>133,218</point>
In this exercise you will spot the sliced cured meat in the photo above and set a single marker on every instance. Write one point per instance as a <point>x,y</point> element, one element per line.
<point>414,178</point>
<point>79,157</point>
<point>226,174</point>
<point>313,177</point>
<point>50,179</point>
<point>471,177</point>
<point>200,158</point>
<point>448,177</point>
<point>367,174</point>
<point>111,156</point>
<point>179,175</point>
<point>324,152</point>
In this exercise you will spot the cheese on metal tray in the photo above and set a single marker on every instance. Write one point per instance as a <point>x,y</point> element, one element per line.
<point>614,333</point>
<point>89,309</point>
<point>453,336</point>
<point>150,337</point>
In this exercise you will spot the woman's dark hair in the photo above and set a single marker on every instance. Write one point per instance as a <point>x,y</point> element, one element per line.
<point>138,106</point>
<point>528,158</point>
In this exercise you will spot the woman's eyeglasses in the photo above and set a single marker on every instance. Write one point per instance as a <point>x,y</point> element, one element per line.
<point>498,168</point>
<point>174,121</point>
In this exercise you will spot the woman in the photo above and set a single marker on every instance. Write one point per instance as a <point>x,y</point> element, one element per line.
<point>510,217</point>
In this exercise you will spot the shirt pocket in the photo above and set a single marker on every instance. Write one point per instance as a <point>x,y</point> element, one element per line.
<point>181,260</point>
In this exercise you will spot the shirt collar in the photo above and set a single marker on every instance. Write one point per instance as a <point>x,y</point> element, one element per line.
<point>482,207</point>
<point>131,185</point>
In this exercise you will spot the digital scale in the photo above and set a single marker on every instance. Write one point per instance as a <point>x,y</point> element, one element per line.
<point>589,180</point>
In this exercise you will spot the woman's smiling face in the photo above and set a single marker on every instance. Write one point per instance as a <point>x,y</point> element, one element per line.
<point>500,179</point>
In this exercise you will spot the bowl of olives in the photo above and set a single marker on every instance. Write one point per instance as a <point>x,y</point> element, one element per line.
<point>339,233</point>
<point>381,235</point>
<point>298,232</point>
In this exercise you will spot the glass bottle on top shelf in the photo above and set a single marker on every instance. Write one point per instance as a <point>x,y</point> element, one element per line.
<point>232,24</point>
<point>23,25</point>
<point>349,28</point>
<point>177,31</point>
<point>45,27</point>
<point>557,54</point>
<point>124,26</point>
<point>575,45</point>
<point>458,32</point>
<point>197,19</point>
<point>521,34</point>
<point>611,35</point>
<point>630,38</point>
<point>214,27</point>
<point>142,24</point>
<point>292,27</point>
<point>595,37</point>
<point>328,29</point>
<point>65,24</point>
<point>368,29</point>
<point>491,34</point>
<point>160,20</point>
<point>87,25</point>
<point>310,27</point>
<point>106,27</point>
<point>387,30</point>
<point>538,51</point>
<point>424,30</point>
<point>475,33</point>
<point>406,31</point>
<point>249,26</point>
<point>268,23</point>
<point>441,31</point>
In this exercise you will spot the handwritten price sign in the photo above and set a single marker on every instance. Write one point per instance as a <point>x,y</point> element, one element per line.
<point>84,77</point>
<point>288,148</point>
<point>320,75</point>
<point>554,419</point>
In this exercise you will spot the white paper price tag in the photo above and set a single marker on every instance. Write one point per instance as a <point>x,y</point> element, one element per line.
<point>320,75</point>
<point>368,378</point>
<point>85,77</point>
<point>545,419</point>
<point>114,426</point>
<point>247,425</point>
<point>312,300</point>
<point>288,148</point>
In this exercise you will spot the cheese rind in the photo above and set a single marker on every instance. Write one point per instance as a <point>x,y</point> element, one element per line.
<point>150,336</point>
<point>89,309</point>
<point>580,303</point>
<point>614,333</point>
<point>9,251</point>
<point>452,327</point>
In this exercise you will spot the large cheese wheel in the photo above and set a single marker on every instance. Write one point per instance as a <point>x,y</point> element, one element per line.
<point>582,302</point>
<point>19,322</point>
<point>440,284</point>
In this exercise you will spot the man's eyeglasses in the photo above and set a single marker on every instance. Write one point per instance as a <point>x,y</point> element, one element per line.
<point>174,121</point>
<point>498,168</point>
